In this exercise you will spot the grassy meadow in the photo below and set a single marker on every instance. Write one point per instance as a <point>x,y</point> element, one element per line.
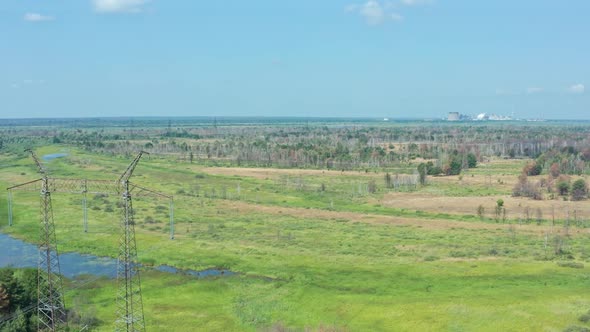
<point>315,250</point>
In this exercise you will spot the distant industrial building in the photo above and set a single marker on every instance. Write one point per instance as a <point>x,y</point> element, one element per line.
<point>482,117</point>
<point>492,117</point>
<point>454,116</point>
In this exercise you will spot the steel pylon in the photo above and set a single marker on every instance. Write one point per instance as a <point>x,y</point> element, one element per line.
<point>52,313</point>
<point>51,309</point>
<point>129,301</point>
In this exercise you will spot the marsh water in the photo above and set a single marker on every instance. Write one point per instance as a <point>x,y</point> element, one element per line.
<point>20,254</point>
<point>52,156</point>
<point>17,253</point>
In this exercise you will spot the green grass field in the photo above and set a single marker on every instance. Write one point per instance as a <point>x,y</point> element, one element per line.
<point>328,260</point>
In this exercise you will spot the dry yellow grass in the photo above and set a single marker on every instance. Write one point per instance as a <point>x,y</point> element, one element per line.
<point>498,182</point>
<point>516,207</point>
<point>273,173</point>
<point>430,224</point>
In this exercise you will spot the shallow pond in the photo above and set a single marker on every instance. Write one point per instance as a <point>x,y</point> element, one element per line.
<point>17,253</point>
<point>52,156</point>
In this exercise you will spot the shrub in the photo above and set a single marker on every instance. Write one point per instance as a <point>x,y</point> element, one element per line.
<point>422,172</point>
<point>526,188</point>
<point>554,170</point>
<point>579,190</point>
<point>428,169</point>
<point>435,170</point>
<point>563,187</point>
<point>100,196</point>
<point>533,169</point>
<point>573,265</point>
<point>585,317</point>
<point>454,166</point>
<point>481,211</point>
<point>471,160</point>
<point>498,209</point>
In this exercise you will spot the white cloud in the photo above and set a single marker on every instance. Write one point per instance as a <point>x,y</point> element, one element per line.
<point>577,88</point>
<point>372,12</point>
<point>375,12</point>
<point>416,2</point>
<point>119,6</point>
<point>534,90</point>
<point>36,17</point>
<point>396,17</point>
<point>26,83</point>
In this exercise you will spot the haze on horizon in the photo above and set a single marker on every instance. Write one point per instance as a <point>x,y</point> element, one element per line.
<point>368,58</point>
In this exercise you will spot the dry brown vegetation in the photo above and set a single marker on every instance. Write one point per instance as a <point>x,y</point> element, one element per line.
<point>515,206</point>
<point>240,207</point>
<point>270,173</point>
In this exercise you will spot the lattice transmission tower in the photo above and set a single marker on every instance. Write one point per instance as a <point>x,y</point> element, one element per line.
<point>51,309</point>
<point>85,187</point>
<point>129,300</point>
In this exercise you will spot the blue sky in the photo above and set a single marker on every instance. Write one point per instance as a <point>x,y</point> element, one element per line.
<point>397,59</point>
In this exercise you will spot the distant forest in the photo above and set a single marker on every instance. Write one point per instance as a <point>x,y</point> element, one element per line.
<point>321,144</point>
